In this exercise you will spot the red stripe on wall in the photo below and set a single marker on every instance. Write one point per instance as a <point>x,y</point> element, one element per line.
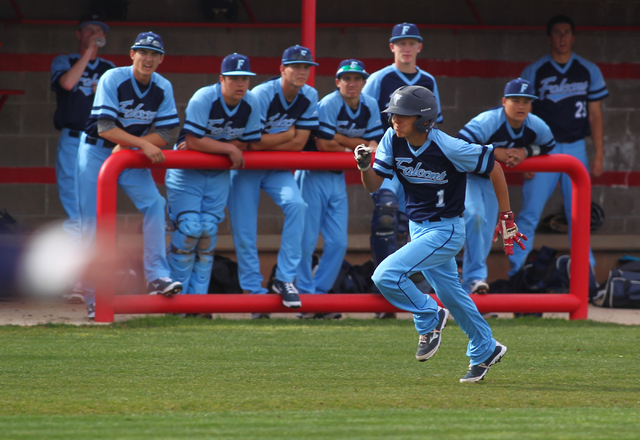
<point>27,175</point>
<point>16,62</point>
<point>48,175</point>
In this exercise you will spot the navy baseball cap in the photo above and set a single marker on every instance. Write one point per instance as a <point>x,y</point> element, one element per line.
<point>236,65</point>
<point>352,66</point>
<point>297,55</point>
<point>519,87</point>
<point>93,19</point>
<point>148,40</point>
<point>405,30</point>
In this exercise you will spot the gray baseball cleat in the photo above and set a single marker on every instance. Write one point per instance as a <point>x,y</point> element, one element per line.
<point>477,372</point>
<point>430,342</point>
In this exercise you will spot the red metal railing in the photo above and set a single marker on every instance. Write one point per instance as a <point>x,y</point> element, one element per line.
<point>107,303</point>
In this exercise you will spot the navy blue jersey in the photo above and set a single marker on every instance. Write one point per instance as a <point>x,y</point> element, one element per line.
<point>381,85</point>
<point>564,93</point>
<point>74,106</point>
<point>208,115</point>
<point>492,127</point>
<point>434,177</point>
<point>278,114</point>
<point>119,99</point>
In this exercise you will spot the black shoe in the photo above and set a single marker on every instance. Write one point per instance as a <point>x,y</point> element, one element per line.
<point>430,342</point>
<point>91,311</point>
<point>260,316</point>
<point>164,286</point>
<point>477,372</point>
<point>383,315</point>
<point>288,292</point>
<point>318,315</point>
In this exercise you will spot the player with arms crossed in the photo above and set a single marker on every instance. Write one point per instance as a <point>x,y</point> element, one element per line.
<point>570,91</point>
<point>432,168</point>
<point>347,119</point>
<point>220,119</point>
<point>129,101</point>
<point>289,112</point>
<point>74,78</point>
<point>515,135</point>
<point>388,219</point>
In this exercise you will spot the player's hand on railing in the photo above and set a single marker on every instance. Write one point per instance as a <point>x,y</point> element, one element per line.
<point>152,152</point>
<point>362,154</point>
<point>509,231</point>
<point>237,159</point>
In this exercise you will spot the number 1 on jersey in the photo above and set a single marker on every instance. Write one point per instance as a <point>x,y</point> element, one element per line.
<point>440,203</point>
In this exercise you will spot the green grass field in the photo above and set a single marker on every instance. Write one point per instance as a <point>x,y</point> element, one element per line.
<point>167,377</point>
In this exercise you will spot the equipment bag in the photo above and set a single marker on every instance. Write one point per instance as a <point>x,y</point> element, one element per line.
<point>621,291</point>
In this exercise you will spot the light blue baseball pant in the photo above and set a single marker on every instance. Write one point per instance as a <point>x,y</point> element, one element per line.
<point>141,189</point>
<point>480,219</point>
<point>66,157</point>
<point>198,191</point>
<point>432,251</point>
<point>325,193</point>
<point>244,197</point>
<point>536,192</point>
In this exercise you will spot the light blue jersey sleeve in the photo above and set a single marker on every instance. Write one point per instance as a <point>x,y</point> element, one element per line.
<point>544,138</point>
<point>105,103</point>
<point>328,110</point>
<point>59,66</point>
<point>529,72</point>
<point>167,116</point>
<point>374,125</point>
<point>383,163</point>
<point>261,92</point>
<point>439,119</point>
<point>253,130</point>
<point>197,112</point>
<point>465,156</point>
<point>597,88</point>
<point>372,86</point>
<point>479,129</point>
<point>309,119</point>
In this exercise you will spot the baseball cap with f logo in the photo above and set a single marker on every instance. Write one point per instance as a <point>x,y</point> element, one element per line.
<point>405,30</point>
<point>519,87</point>
<point>297,55</point>
<point>236,65</point>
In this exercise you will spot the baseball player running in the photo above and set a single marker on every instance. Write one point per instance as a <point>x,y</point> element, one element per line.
<point>74,78</point>
<point>289,112</point>
<point>220,119</point>
<point>347,118</point>
<point>570,91</point>
<point>389,220</point>
<point>128,102</point>
<point>515,135</point>
<point>432,168</point>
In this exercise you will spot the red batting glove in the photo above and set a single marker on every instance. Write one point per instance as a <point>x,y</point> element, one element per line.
<point>509,231</point>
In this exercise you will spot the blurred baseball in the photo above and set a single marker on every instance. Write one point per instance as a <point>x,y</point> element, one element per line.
<point>100,41</point>
<point>52,262</point>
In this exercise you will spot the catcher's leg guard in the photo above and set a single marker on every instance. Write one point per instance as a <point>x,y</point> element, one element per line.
<point>181,254</point>
<point>201,275</point>
<point>383,225</point>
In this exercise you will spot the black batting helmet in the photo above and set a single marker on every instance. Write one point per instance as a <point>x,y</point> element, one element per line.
<point>414,101</point>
